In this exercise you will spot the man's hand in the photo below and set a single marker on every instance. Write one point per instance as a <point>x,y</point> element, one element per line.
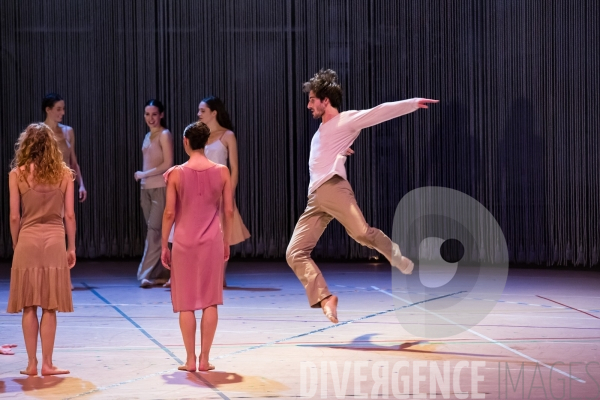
<point>348,152</point>
<point>422,103</point>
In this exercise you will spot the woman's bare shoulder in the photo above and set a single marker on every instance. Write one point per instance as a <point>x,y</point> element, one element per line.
<point>18,171</point>
<point>65,128</point>
<point>68,173</point>
<point>223,169</point>
<point>228,134</point>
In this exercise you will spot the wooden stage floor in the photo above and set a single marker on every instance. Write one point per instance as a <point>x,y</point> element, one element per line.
<point>123,342</point>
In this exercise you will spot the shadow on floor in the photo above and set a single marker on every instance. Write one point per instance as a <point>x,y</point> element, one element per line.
<point>233,382</point>
<point>45,386</point>
<point>365,343</point>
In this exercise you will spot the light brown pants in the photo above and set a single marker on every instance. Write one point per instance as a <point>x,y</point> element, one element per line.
<point>153,205</point>
<point>333,199</point>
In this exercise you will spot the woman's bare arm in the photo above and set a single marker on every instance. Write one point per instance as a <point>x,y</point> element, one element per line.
<point>70,133</point>
<point>232,149</point>
<point>227,210</point>
<point>70,224</point>
<point>15,206</point>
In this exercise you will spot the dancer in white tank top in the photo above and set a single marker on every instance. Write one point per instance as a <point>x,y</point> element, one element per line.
<point>217,152</point>
<point>221,148</point>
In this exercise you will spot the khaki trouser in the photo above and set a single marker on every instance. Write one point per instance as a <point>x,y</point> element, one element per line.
<point>333,199</point>
<point>153,205</point>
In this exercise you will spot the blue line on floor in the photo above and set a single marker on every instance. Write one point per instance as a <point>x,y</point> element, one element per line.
<point>142,330</point>
<point>152,339</point>
<point>333,326</point>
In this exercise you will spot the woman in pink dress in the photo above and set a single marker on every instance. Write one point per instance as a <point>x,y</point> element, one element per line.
<point>196,191</point>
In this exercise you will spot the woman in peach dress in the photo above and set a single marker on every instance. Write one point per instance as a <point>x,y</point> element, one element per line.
<point>41,196</point>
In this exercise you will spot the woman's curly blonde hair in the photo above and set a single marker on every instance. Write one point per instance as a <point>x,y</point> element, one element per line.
<point>37,146</point>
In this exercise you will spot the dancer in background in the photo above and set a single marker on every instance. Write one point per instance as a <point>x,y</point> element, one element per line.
<point>41,196</point>
<point>157,149</point>
<point>196,192</point>
<point>329,193</point>
<point>53,107</point>
<point>221,148</point>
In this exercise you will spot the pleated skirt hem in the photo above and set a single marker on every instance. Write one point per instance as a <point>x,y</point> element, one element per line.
<point>47,287</point>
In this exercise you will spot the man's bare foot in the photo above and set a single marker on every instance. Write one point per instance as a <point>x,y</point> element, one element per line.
<point>329,306</point>
<point>399,261</point>
<point>31,370</point>
<point>52,370</point>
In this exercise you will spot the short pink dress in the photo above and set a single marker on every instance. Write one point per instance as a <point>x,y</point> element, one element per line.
<point>197,256</point>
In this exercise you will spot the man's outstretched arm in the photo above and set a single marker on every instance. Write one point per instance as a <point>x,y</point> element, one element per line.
<point>386,111</point>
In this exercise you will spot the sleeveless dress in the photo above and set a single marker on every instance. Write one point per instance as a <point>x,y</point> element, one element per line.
<point>197,257</point>
<point>217,153</point>
<point>40,275</point>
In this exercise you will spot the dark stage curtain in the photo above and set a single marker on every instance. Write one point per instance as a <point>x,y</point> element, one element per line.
<point>517,126</point>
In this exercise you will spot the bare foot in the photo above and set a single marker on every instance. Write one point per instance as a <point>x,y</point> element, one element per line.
<point>6,349</point>
<point>31,369</point>
<point>52,370</point>
<point>189,366</point>
<point>399,261</point>
<point>206,367</point>
<point>329,306</point>
<point>186,368</point>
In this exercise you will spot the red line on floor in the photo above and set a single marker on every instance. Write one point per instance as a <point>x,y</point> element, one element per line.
<point>564,305</point>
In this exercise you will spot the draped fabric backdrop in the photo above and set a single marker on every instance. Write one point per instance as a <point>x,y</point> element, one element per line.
<point>516,128</point>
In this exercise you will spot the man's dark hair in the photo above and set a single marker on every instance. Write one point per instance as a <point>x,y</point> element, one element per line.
<point>197,133</point>
<point>324,84</point>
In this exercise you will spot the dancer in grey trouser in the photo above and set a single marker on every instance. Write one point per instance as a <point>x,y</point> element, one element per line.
<point>158,157</point>
<point>153,205</point>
